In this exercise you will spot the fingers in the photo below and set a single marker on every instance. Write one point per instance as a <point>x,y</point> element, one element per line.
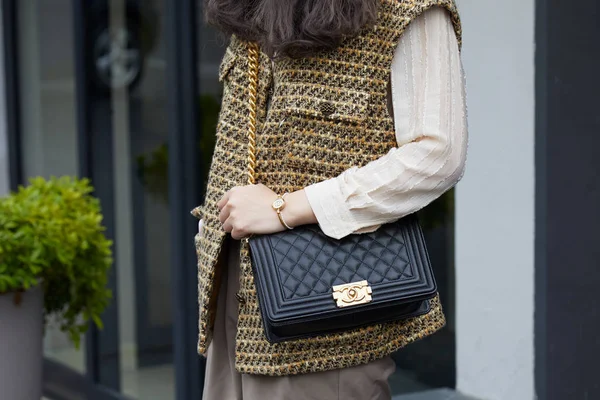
<point>237,236</point>
<point>223,200</point>
<point>237,232</point>
<point>224,214</point>
<point>221,203</point>
<point>227,225</point>
<point>229,209</point>
<point>227,203</point>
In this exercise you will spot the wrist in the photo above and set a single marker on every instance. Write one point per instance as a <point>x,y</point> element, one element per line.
<point>297,209</point>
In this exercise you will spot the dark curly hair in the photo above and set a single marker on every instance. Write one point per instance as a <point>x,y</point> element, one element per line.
<point>293,28</point>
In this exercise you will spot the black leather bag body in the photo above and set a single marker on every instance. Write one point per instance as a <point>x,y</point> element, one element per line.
<point>310,284</point>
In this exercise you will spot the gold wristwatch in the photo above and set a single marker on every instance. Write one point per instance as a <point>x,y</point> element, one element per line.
<point>278,205</point>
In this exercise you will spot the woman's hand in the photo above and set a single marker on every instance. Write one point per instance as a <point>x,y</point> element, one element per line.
<point>246,210</point>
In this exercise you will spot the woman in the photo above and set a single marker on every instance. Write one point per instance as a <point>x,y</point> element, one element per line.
<point>361,121</point>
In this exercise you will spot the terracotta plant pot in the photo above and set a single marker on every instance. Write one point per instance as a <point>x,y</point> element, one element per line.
<point>21,337</point>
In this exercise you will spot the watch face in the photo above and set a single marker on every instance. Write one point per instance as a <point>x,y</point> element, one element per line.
<point>278,203</point>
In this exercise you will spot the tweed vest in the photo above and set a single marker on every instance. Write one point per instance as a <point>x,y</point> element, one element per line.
<point>317,116</point>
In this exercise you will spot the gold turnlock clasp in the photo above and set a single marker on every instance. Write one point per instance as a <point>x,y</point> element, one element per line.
<point>352,294</point>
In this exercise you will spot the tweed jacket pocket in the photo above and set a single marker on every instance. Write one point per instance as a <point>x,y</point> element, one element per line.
<point>324,103</point>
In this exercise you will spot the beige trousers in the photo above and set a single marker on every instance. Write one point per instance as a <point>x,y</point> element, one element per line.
<point>223,382</point>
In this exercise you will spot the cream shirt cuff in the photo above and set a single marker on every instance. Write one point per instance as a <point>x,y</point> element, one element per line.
<point>334,221</point>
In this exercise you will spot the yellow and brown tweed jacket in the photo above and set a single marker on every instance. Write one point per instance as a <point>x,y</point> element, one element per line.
<point>326,114</point>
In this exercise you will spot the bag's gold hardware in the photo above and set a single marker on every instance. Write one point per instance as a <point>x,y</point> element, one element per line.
<point>352,294</point>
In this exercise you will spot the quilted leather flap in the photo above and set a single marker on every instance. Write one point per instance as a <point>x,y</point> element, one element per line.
<point>311,264</point>
<point>299,268</point>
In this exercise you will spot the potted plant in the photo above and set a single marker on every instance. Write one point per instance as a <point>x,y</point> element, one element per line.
<point>54,261</point>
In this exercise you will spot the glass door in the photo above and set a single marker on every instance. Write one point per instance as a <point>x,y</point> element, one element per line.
<point>99,84</point>
<point>126,68</point>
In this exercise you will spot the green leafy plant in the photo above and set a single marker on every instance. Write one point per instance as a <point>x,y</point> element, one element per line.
<point>51,234</point>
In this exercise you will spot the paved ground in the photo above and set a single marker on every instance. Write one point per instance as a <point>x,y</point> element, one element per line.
<point>438,394</point>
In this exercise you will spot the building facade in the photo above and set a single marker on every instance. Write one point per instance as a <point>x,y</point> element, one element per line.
<point>126,92</point>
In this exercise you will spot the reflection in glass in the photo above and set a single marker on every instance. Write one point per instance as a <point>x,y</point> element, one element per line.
<point>211,50</point>
<point>130,68</point>
<point>48,120</point>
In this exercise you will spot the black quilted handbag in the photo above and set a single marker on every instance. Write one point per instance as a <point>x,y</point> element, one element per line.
<point>310,284</point>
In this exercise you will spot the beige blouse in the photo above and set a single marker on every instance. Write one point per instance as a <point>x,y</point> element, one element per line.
<point>428,97</point>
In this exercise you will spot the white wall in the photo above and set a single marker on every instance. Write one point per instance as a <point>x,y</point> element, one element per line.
<point>495,204</point>
<point>4,174</point>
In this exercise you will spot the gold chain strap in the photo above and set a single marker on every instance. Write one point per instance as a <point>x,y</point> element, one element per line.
<point>252,94</point>
<point>253,54</point>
